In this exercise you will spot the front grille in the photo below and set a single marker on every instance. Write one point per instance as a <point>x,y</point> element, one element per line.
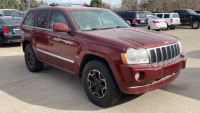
<point>163,53</point>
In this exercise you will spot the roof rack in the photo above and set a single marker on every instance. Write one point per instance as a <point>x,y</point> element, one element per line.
<point>62,4</point>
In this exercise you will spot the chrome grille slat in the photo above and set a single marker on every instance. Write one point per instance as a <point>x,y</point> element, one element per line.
<point>163,53</point>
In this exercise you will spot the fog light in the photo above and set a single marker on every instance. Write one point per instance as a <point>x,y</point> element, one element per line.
<point>137,76</point>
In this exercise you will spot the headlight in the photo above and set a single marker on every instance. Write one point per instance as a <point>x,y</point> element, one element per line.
<point>134,56</point>
<point>180,46</point>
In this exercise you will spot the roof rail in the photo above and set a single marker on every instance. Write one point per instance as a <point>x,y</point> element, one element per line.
<point>61,4</point>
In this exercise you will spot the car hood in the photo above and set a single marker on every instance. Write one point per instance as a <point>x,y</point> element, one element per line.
<point>132,37</point>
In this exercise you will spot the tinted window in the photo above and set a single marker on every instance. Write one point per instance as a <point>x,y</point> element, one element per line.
<point>182,12</point>
<point>12,21</point>
<point>166,16</point>
<point>159,15</point>
<point>57,17</point>
<point>29,18</point>
<point>126,15</point>
<point>41,19</point>
<point>191,12</point>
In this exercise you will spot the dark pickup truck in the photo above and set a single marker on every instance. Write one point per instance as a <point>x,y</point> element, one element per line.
<point>10,29</point>
<point>189,17</point>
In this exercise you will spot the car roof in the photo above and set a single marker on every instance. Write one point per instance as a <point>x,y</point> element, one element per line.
<point>67,8</point>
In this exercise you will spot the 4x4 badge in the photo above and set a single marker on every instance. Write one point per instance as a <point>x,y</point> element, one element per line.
<point>166,42</point>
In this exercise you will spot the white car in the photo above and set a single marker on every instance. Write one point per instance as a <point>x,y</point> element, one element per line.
<point>156,23</point>
<point>7,12</point>
<point>171,18</point>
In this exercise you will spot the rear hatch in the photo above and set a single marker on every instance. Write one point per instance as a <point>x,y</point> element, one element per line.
<point>175,18</point>
<point>11,25</point>
<point>141,18</point>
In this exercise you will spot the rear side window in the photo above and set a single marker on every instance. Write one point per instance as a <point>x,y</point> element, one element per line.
<point>57,17</point>
<point>126,15</point>
<point>166,16</point>
<point>159,15</point>
<point>175,16</point>
<point>182,12</point>
<point>41,19</point>
<point>29,18</point>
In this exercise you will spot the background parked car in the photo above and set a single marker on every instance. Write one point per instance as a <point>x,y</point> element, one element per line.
<point>137,18</point>
<point>19,14</point>
<point>197,12</point>
<point>189,17</point>
<point>7,12</point>
<point>10,29</point>
<point>171,18</point>
<point>156,23</point>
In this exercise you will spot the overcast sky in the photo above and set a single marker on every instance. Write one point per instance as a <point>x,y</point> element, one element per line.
<point>112,2</point>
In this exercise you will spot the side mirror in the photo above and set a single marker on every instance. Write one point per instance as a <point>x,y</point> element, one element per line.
<point>60,27</point>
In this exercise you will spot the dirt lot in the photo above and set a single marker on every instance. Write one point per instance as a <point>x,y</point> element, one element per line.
<point>53,90</point>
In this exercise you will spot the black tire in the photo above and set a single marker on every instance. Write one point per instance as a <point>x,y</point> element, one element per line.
<point>149,28</point>
<point>31,61</point>
<point>195,24</point>
<point>110,93</point>
<point>157,29</point>
<point>172,28</point>
<point>1,44</point>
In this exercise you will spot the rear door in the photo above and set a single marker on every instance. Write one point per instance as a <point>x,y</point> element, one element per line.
<point>183,16</point>
<point>176,18</point>
<point>40,32</point>
<point>61,45</point>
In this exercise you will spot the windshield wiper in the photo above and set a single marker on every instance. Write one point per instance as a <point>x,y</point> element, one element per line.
<point>120,27</point>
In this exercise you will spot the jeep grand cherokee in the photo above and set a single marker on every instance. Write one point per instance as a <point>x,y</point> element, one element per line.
<point>96,44</point>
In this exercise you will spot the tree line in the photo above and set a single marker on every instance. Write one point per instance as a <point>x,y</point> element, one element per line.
<point>158,5</point>
<point>21,5</point>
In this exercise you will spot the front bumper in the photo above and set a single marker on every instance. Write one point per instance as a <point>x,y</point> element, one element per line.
<point>11,38</point>
<point>155,76</point>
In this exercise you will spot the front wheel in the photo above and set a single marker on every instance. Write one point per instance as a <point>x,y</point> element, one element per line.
<point>195,24</point>
<point>99,84</point>
<point>31,61</point>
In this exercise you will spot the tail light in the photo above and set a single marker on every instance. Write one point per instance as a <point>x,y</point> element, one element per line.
<point>155,21</point>
<point>165,22</point>
<point>5,30</point>
<point>172,20</point>
<point>134,21</point>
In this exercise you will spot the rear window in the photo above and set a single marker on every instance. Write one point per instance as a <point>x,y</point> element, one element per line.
<point>141,15</point>
<point>166,16</point>
<point>126,15</point>
<point>12,21</point>
<point>22,15</point>
<point>8,12</point>
<point>154,17</point>
<point>159,15</point>
<point>175,16</point>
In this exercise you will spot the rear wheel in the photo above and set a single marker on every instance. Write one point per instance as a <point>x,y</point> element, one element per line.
<point>172,28</point>
<point>149,28</point>
<point>157,29</point>
<point>99,84</point>
<point>195,24</point>
<point>31,61</point>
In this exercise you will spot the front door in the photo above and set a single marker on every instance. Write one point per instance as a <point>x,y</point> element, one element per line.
<point>60,46</point>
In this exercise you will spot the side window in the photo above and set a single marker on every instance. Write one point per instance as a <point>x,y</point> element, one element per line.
<point>29,18</point>
<point>57,17</point>
<point>41,19</point>
<point>159,15</point>
<point>166,16</point>
<point>182,12</point>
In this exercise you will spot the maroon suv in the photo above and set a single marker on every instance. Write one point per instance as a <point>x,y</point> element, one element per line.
<point>96,44</point>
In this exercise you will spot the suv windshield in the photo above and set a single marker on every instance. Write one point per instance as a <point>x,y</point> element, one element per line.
<point>12,21</point>
<point>97,19</point>
<point>8,12</point>
<point>191,12</point>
